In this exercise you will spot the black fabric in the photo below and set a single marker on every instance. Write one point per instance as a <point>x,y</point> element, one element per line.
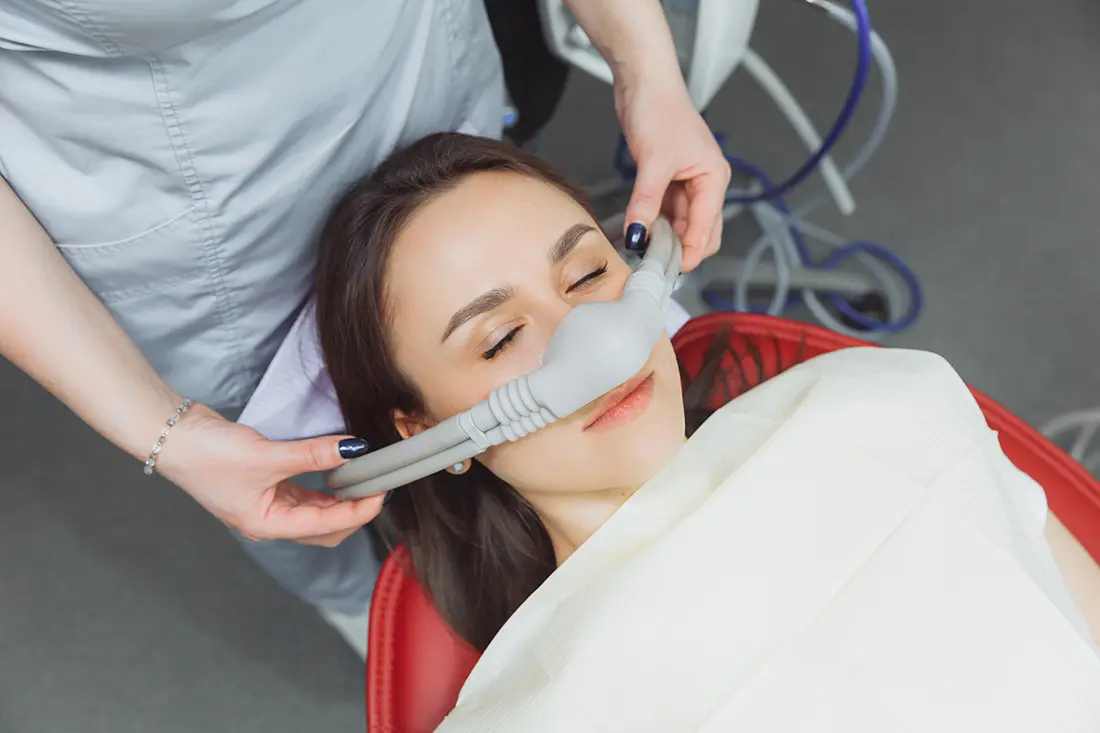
<point>535,77</point>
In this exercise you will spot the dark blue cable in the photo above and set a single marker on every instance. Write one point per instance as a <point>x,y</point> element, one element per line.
<point>859,83</point>
<point>770,192</point>
<point>628,169</point>
<point>779,203</point>
<point>916,304</point>
<point>916,295</point>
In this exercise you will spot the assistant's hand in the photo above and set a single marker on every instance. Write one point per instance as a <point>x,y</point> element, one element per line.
<point>682,172</point>
<point>241,478</point>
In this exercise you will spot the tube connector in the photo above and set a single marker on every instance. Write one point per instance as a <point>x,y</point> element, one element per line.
<point>648,283</point>
<point>517,411</point>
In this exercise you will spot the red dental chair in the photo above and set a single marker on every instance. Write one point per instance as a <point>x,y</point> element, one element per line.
<point>416,666</point>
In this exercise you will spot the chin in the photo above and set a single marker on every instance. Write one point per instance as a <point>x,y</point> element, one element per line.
<point>647,444</point>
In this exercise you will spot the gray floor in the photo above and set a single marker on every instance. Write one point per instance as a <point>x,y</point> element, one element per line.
<point>123,608</point>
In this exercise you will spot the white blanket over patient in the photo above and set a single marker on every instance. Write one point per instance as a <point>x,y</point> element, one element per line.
<point>845,548</point>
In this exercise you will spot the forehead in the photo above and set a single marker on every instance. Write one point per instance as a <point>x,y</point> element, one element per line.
<point>489,230</point>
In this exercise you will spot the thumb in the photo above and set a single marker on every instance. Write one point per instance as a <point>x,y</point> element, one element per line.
<point>649,193</point>
<point>317,454</point>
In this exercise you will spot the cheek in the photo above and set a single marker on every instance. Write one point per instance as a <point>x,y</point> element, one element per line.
<point>553,459</point>
<point>452,385</point>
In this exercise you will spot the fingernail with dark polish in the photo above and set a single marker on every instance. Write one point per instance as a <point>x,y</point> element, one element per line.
<point>353,448</point>
<point>635,236</point>
<point>389,495</point>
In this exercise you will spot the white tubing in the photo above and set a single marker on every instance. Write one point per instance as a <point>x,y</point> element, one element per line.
<point>1087,422</point>
<point>774,223</point>
<point>888,72</point>
<point>407,474</point>
<point>770,82</point>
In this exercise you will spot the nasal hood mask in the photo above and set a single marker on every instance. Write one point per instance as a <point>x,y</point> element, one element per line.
<point>597,347</point>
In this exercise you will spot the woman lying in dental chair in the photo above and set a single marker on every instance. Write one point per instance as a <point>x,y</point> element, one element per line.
<point>845,547</point>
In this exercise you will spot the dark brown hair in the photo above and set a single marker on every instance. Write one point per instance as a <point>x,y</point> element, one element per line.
<point>477,546</point>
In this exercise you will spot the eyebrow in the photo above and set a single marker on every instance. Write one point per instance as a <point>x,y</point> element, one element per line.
<point>483,303</point>
<point>497,297</point>
<point>568,241</point>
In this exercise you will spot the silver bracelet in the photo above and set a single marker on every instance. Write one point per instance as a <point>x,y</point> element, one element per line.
<point>151,461</point>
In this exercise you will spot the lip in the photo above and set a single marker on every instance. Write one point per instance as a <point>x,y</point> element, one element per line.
<point>635,394</point>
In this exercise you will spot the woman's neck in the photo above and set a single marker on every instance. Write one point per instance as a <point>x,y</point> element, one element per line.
<point>570,519</point>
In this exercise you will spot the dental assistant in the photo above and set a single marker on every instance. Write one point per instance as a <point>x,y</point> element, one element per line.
<point>165,168</point>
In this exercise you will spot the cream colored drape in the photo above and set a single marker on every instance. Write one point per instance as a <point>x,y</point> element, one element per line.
<point>844,548</point>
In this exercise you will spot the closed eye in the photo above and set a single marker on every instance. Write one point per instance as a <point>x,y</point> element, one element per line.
<point>510,337</point>
<point>589,278</point>
<point>499,346</point>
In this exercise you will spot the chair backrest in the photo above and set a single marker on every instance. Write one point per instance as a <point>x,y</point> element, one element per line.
<point>416,665</point>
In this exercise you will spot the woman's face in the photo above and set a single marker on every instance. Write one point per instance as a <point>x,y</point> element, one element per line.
<point>476,284</point>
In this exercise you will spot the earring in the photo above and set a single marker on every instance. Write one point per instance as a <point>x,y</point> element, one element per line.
<point>459,468</point>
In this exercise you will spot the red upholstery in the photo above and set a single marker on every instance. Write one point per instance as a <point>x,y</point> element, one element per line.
<point>416,665</point>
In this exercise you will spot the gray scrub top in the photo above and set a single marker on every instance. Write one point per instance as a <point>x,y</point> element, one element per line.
<point>183,154</point>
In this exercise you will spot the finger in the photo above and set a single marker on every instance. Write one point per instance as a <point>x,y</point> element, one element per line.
<point>294,494</point>
<point>677,206</point>
<point>708,195</point>
<point>303,519</point>
<point>649,191</point>
<point>307,456</point>
<point>715,238</point>
<point>233,528</point>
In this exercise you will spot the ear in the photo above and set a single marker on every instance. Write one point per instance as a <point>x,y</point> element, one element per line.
<point>410,425</point>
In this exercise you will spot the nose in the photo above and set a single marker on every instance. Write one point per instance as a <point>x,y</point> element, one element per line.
<point>553,313</point>
<point>557,308</point>
<point>597,347</point>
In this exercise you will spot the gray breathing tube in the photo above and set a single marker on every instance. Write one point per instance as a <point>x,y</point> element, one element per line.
<point>597,347</point>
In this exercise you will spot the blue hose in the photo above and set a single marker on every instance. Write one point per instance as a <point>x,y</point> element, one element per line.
<point>774,195</point>
<point>916,300</point>
<point>859,83</point>
<point>855,92</point>
<point>780,203</point>
<point>916,295</point>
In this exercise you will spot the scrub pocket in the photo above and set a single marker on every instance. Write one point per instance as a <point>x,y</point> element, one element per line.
<point>160,257</point>
<point>159,286</point>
